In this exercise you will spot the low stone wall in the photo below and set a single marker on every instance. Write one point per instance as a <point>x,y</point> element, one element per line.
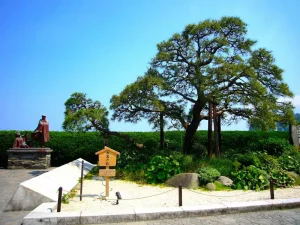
<point>29,158</point>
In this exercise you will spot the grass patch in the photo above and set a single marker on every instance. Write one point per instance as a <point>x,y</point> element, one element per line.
<point>221,187</point>
<point>66,197</point>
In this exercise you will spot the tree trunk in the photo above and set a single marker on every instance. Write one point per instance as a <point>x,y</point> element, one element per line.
<point>105,139</point>
<point>192,128</point>
<point>217,150</point>
<point>219,135</point>
<point>209,148</point>
<point>162,135</point>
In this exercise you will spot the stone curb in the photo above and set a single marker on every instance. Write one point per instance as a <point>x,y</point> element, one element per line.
<point>42,214</point>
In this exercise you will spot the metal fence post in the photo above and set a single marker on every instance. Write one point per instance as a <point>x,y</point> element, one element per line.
<point>271,188</point>
<point>59,199</point>
<point>180,194</point>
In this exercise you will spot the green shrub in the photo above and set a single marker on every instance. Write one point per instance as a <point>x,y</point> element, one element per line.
<point>290,161</point>
<point>187,163</point>
<point>250,178</point>
<point>207,175</point>
<point>248,159</point>
<point>68,146</point>
<point>198,149</point>
<point>268,162</point>
<point>223,165</point>
<point>274,146</point>
<point>281,179</point>
<point>161,168</point>
<point>132,172</point>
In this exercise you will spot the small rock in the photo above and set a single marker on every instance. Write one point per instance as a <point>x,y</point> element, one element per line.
<point>225,181</point>
<point>210,186</point>
<point>187,180</point>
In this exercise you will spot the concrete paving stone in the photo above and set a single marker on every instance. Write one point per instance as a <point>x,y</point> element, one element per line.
<point>239,207</point>
<point>204,210</point>
<point>122,215</point>
<point>158,213</point>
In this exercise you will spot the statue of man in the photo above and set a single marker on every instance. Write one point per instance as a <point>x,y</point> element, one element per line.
<point>18,141</point>
<point>41,133</point>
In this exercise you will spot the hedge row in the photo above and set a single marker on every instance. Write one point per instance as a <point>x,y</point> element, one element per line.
<point>68,146</point>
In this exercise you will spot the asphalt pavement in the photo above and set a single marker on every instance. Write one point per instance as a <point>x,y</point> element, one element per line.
<point>9,182</point>
<point>275,217</point>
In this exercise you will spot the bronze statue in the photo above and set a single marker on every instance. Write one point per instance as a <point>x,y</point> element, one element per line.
<point>20,142</point>
<point>41,133</point>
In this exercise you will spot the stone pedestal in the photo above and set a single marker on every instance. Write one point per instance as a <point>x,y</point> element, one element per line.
<point>29,158</point>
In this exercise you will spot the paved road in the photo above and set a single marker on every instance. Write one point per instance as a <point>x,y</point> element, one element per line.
<point>9,182</point>
<point>276,217</point>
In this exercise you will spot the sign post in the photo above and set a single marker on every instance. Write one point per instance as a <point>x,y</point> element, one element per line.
<point>107,158</point>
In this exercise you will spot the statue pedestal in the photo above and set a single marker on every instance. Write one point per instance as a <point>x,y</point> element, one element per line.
<point>29,158</point>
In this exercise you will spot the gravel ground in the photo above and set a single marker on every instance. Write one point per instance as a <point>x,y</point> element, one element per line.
<point>147,196</point>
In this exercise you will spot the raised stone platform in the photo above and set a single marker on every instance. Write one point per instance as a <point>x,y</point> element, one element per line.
<point>44,188</point>
<point>29,158</point>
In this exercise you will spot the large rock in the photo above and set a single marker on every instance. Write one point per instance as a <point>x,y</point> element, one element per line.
<point>210,186</point>
<point>187,180</point>
<point>43,188</point>
<point>225,181</point>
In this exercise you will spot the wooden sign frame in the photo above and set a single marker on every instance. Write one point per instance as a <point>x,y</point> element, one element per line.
<point>107,157</point>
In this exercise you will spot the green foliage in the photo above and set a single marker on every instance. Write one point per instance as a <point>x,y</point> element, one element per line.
<point>207,175</point>
<point>248,159</point>
<point>268,162</point>
<point>223,165</point>
<point>84,114</point>
<point>188,163</point>
<point>68,146</point>
<point>274,146</point>
<point>220,187</point>
<point>161,168</point>
<point>207,62</point>
<point>198,149</point>
<point>250,178</point>
<point>290,161</point>
<point>281,179</point>
<point>65,199</point>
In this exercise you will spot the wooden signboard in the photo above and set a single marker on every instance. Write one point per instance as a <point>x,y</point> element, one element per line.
<point>107,173</point>
<point>107,157</point>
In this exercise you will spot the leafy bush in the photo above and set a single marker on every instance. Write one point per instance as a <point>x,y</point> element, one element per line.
<point>223,165</point>
<point>161,168</point>
<point>198,149</point>
<point>250,178</point>
<point>268,162</point>
<point>248,159</point>
<point>290,161</point>
<point>133,172</point>
<point>188,163</point>
<point>274,146</point>
<point>207,175</point>
<point>281,179</point>
<point>68,146</point>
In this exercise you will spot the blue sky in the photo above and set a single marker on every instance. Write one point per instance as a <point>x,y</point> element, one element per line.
<point>50,49</point>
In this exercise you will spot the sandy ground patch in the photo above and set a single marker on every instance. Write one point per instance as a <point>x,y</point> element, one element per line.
<point>147,196</point>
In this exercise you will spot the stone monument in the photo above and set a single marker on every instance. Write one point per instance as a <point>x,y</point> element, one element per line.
<point>23,156</point>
